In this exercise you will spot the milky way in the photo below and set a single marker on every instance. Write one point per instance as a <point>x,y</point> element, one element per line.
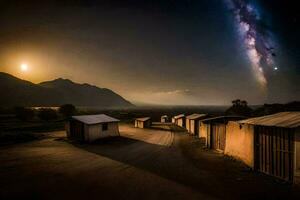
<point>256,36</point>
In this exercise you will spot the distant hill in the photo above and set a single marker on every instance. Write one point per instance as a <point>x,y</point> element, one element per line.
<point>15,91</point>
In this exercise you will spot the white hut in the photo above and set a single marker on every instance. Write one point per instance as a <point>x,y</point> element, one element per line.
<point>92,127</point>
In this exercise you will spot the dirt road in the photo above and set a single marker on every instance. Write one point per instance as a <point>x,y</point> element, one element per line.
<point>141,164</point>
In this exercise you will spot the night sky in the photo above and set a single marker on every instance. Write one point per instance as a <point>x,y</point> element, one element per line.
<point>179,52</point>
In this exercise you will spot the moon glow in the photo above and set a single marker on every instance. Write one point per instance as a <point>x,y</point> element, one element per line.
<point>24,67</point>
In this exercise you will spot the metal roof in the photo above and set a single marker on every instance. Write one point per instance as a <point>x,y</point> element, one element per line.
<point>222,119</point>
<point>179,116</point>
<point>196,116</point>
<point>143,119</point>
<point>282,119</point>
<point>95,119</point>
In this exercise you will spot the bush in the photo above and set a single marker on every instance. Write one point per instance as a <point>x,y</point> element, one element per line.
<point>24,114</point>
<point>47,114</point>
<point>268,109</point>
<point>67,110</point>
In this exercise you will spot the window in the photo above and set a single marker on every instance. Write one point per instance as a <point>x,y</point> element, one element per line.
<point>104,127</point>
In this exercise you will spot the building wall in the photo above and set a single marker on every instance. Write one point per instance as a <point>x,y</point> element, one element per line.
<point>202,132</point>
<point>94,132</point>
<point>142,124</point>
<point>180,122</point>
<point>139,124</point>
<point>147,124</point>
<point>135,123</point>
<point>173,120</point>
<point>192,127</point>
<point>240,142</point>
<point>187,125</point>
<point>75,130</point>
<point>67,128</point>
<point>204,129</point>
<point>297,156</point>
<point>86,132</point>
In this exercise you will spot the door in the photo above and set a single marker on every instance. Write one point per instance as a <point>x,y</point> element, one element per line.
<point>196,127</point>
<point>218,136</point>
<point>192,126</point>
<point>274,151</point>
<point>188,125</point>
<point>180,122</point>
<point>77,130</point>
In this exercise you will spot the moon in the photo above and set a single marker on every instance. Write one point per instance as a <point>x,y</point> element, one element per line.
<point>24,67</point>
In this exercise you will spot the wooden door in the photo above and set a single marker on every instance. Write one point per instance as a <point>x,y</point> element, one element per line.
<point>218,136</point>
<point>196,127</point>
<point>274,151</point>
<point>188,125</point>
<point>77,130</point>
<point>222,136</point>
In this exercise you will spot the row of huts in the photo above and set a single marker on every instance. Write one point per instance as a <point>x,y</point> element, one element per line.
<point>270,144</point>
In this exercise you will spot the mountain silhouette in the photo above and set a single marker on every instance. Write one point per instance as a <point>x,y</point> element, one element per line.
<point>18,92</point>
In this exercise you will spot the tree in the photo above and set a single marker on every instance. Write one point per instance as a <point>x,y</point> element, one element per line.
<point>47,114</point>
<point>244,103</point>
<point>239,107</point>
<point>23,113</point>
<point>268,109</point>
<point>236,102</point>
<point>67,110</point>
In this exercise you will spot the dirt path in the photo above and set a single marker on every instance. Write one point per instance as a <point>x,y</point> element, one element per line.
<point>142,163</point>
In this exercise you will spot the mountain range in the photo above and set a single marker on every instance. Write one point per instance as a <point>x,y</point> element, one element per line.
<point>18,92</point>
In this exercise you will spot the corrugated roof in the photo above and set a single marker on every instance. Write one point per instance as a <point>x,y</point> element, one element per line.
<point>282,119</point>
<point>222,118</point>
<point>178,116</point>
<point>95,119</point>
<point>143,119</point>
<point>196,116</point>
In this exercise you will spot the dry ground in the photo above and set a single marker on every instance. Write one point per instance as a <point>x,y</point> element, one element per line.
<point>141,164</point>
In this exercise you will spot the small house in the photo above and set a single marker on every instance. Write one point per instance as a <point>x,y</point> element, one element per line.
<point>213,131</point>
<point>92,127</point>
<point>164,119</point>
<point>144,122</point>
<point>269,144</point>
<point>179,120</point>
<point>192,123</point>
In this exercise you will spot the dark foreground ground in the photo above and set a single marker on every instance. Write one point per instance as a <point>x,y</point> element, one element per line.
<point>141,164</point>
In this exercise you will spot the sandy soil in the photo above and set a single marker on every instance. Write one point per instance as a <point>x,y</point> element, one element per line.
<point>141,164</point>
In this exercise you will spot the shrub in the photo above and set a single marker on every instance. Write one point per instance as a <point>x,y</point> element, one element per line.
<point>24,114</point>
<point>47,114</point>
<point>67,110</point>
